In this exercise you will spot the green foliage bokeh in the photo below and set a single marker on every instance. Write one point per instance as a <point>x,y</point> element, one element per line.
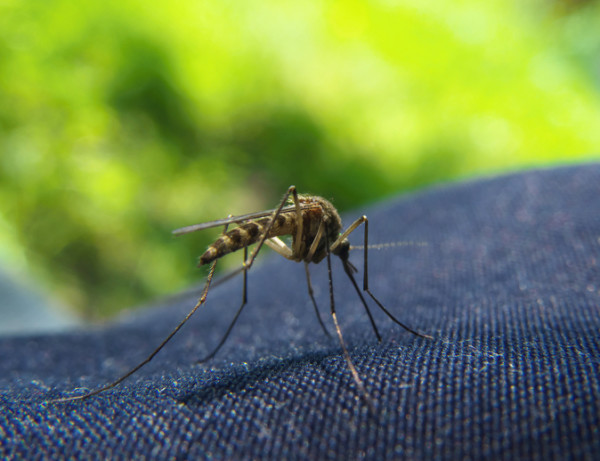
<point>122,120</point>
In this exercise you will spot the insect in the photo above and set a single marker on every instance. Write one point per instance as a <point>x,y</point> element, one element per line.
<point>316,230</point>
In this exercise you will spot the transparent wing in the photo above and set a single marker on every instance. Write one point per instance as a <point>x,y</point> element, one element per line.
<point>236,219</point>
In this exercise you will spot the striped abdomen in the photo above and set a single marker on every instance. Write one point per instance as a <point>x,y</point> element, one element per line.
<point>246,234</point>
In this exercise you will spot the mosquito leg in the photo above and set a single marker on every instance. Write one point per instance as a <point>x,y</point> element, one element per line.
<point>347,232</point>
<point>239,311</point>
<point>299,224</point>
<point>355,375</point>
<point>312,297</point>
<point>278,245</point>
<point>274,243</point>
<point>348,268</point>
<point>309,256</point>
<point>200,302</point>
<point>291,190</point>
<point>313,248</point>
<point>395,320</point>
<point>366,288</point>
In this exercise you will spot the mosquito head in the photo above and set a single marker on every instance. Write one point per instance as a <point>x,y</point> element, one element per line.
<point>343,251</point>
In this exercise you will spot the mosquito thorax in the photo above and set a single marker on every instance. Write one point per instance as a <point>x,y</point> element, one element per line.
<point>330,216</point>
<point>317,212</point>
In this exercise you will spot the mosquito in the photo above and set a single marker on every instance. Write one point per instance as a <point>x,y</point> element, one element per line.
<point>316,230</point>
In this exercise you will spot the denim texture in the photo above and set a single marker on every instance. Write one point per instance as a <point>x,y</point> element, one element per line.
<point>504,273</point>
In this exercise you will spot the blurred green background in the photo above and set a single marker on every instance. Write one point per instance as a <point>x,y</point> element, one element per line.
<point>122,120</point>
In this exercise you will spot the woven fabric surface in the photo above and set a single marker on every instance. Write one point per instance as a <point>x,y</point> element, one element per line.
<point>504,273</point>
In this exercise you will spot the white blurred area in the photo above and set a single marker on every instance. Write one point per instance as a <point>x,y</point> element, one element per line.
<point>24,310</point>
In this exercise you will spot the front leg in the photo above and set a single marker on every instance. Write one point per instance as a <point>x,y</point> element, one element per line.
<point>278,245</point>
<point>291,190</point>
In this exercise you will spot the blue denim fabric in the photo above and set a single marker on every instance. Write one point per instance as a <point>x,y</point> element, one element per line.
<point>508,284</point>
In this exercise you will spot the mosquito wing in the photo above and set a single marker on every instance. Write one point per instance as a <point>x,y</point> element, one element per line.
<point>233,220</point>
